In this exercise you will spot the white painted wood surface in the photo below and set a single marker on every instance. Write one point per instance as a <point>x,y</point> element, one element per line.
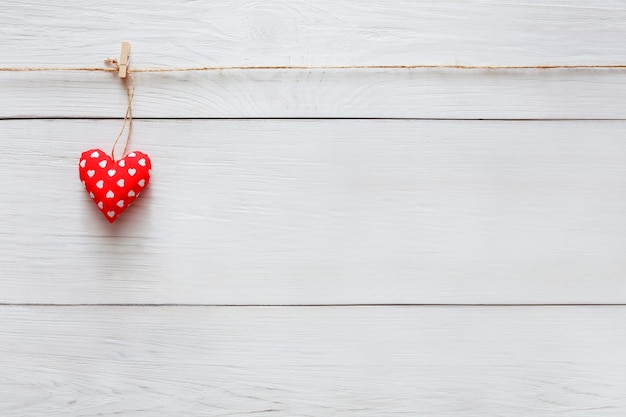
<point>447,211</point>
<point>323,32</point>
<point>329,32</point>
<point>315,361</point>
<point>321,211</point>
<point>448,94</point>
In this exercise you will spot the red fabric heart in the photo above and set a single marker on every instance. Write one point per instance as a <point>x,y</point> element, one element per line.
<point>114,185</point>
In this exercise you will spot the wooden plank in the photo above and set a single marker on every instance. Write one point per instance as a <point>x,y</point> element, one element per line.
<point>321,212</point>
<point>336,362</point>
<point>244,32</point>
<point>274,32</point>
<point>418,93</point>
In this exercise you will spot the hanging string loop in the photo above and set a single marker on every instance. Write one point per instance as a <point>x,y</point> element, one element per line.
<point>129,86</point>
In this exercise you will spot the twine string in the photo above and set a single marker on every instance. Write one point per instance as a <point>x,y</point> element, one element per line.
<point>322,67</point>
<point>129,86</point>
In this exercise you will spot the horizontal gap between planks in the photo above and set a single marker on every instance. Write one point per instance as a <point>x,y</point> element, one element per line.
<point>313,305</point>
<point>330,118</point>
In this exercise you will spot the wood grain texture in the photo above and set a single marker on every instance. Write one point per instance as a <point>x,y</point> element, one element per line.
<point>321,211</point>
<point>418,93</point>
<point>328,32</point>
<point>340,362</point>
<point>318,212</point>
<point>322,32</point>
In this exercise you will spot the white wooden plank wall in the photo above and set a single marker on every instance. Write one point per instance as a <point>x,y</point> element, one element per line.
<point>317,242</point>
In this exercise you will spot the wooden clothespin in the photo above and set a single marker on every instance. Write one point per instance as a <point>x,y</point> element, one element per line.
<point>124,59</point>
